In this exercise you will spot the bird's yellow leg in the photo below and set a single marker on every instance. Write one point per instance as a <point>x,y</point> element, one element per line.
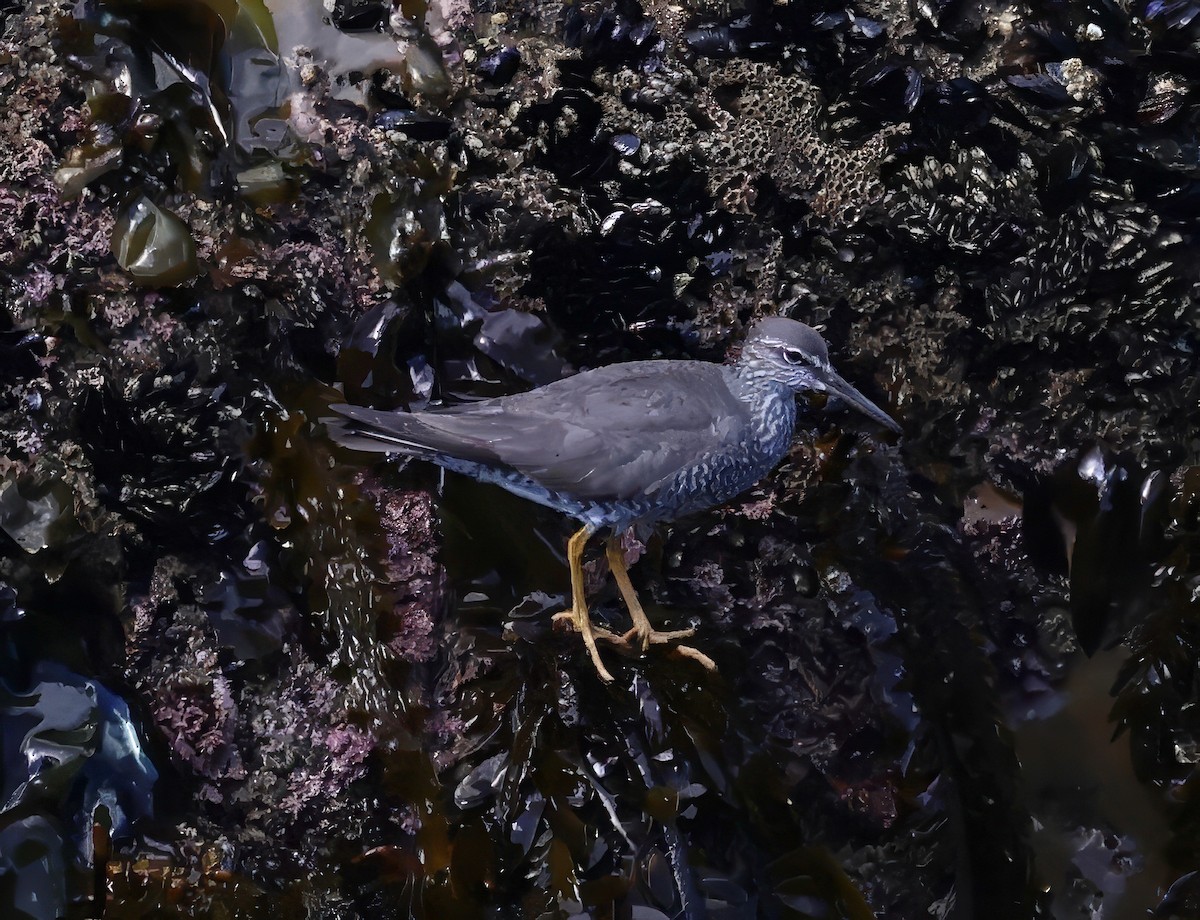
<point>616,562</point>
<point>579,611</point>
<point>642,630</point>
<point>644,634</point>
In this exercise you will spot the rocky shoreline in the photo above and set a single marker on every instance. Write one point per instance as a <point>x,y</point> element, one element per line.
<point>243,670</point>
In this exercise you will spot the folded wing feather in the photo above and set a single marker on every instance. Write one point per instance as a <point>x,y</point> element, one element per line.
<point>614,433</point>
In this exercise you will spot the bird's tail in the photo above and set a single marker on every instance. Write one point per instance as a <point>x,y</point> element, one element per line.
<point>371,430</point>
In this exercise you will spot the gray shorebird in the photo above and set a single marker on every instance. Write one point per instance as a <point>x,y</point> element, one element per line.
<point>625,444</point>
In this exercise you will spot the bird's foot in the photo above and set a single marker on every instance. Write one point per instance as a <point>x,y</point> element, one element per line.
<point>640,638</point>
<point>581,623</point>
<point>633,643</point>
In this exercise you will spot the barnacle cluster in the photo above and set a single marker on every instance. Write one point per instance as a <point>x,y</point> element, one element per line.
<point>768,126</point>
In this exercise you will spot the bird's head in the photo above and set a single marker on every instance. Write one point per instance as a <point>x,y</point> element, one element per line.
<point>795,355</point>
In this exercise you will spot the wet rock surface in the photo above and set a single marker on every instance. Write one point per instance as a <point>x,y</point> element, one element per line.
<point>246,673</point>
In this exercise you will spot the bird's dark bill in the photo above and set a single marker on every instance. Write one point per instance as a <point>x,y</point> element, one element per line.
<point>835,386</point>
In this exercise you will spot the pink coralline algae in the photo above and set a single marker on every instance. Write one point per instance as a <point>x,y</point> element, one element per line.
<point>409,524</point>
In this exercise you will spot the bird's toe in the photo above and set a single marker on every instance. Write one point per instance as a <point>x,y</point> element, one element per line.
<point>633,644</point>
<point>640,636</point>
<point>692,654</point>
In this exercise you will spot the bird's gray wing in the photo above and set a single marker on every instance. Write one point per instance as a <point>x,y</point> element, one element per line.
<point>614,433</point>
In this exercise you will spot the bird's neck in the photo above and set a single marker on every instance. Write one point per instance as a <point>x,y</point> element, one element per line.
<point>751,372</point>
<point>755,380</point>
<point>772,407</point>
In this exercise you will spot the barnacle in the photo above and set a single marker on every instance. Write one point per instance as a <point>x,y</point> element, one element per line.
<point>769,126</point>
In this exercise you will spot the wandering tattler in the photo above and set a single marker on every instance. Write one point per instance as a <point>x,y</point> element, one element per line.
<point>626,444</point>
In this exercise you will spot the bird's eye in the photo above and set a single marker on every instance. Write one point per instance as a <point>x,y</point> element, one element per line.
<point>793,356</point>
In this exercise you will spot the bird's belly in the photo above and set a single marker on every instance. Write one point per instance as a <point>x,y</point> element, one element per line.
<point>715,482</point>
<point>596,513</point>
<point>721,475</point>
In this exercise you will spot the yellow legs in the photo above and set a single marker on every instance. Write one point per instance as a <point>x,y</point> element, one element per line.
<point>636,640</point>
<point>579,612</point>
